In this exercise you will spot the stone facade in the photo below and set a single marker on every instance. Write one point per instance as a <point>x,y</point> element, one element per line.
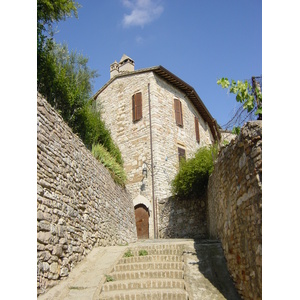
<point>114,101</point>
<point>182,218</point>
<point>235,208</point>
<point>78,204</point>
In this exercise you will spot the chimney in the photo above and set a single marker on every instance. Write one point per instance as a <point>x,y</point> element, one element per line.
<point>114,69</point>
<point>125,65</point>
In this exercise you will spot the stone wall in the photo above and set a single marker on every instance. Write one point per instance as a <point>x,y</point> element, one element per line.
<point>78,204</point>
<point>235,208</point>
<point>180,218</point>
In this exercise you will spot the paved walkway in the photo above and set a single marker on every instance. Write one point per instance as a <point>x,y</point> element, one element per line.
<point>206,274</point>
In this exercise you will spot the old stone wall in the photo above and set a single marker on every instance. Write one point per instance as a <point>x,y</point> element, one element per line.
<point>235,208</point>
<point>182,218</point>
<point>79,206</point>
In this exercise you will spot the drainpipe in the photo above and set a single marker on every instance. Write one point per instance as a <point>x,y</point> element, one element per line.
<point>152,173</point>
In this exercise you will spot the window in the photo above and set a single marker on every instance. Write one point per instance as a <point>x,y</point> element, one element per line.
<point>137,113</point>
<point>181,154</point>
<point>197,130</point>
<point>178,112</point>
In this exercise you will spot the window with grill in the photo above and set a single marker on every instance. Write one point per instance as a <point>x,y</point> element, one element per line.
<point>178,112</point>
<point>137,112</point>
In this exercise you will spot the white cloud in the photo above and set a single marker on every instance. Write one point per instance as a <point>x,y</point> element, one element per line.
<point>142,12</point>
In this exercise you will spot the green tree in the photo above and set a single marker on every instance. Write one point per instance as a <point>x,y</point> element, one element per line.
<point>66,82</point>
<point>49,12</point>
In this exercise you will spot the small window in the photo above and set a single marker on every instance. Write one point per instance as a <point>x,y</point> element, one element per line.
<point>181,154</point>
<point>137,112</point>
<point>197,130</point>
<point>178,112</point>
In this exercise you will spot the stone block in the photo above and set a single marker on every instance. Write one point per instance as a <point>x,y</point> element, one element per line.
<point>44,237</point>
<point>64,272</point>
<point>57,250</point>
<point>54,268</point>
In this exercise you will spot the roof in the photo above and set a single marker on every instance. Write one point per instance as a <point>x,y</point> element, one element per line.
<point>179,84</point>
<point>124,57</point>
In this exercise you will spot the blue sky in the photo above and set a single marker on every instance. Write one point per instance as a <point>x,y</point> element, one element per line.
<point>197,40</point>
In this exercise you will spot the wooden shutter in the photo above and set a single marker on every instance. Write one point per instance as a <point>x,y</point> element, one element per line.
<point>178,112</point>
<point>137,112</point>
<point>181,154</point>
<point>197,130</point>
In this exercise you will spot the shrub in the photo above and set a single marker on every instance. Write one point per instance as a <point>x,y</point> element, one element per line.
<point>192,178</point>
<point>116,170</point>
<point>92,131</point>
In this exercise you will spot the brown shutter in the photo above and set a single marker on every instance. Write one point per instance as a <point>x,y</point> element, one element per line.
<point>133,108</point>
<point>181,154</point>
<point>138,106</point>
<point>137,112</point>
<point>178,112</point>
<point>197,130</point>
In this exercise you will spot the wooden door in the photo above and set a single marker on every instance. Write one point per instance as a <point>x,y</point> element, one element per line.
<point>142,221</point>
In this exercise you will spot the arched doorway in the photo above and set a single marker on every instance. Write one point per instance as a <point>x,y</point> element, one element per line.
<point>142,221</point>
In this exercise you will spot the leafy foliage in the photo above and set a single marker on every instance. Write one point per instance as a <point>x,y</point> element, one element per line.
<point>110,163</point>
<point>48,12</point>
<point>65,80</point>
<point>192,178</point>
<point>236,130</point>
<point>244,94</point>
<point>92,131</point>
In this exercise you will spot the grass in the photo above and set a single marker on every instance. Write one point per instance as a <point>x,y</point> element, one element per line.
<point>128,253</point>
<point>115,169</point>
<point>143,252</point>
<point>109,278</point>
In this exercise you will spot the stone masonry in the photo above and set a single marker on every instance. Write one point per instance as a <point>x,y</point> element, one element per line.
<point>183,218</point>
<point>79,206</point>
<point>235,208</point>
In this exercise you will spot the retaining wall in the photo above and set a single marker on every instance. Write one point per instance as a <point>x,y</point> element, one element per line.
<point>182,218</point>
<point>235,208</point>
<point>79,206</point>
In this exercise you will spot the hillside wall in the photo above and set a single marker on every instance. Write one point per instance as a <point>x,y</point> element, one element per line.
<point>182,218</point>
<point>235,208</point>
<point>79,206</point>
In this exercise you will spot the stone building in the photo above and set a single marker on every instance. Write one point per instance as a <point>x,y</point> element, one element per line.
<point>155,118</point>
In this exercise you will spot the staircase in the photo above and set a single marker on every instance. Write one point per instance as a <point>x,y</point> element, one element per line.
<point>150,272</point>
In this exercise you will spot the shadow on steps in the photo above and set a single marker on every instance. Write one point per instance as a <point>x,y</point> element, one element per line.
<point>209,258</point>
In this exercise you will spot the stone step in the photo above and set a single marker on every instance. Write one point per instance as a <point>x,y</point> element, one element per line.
<point>149,266</point>
<point>157,294</point>
<point>128,275</point>
<point>144,284</point>
<point>157,258</point>
<point>154,251</point>
<point>160,246</point>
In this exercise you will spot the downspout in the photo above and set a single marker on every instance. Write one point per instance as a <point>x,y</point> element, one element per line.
<point>152,173</point>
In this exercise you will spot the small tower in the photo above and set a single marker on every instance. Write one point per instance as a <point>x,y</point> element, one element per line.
<point>114,69</point>
<point>126,64</point>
